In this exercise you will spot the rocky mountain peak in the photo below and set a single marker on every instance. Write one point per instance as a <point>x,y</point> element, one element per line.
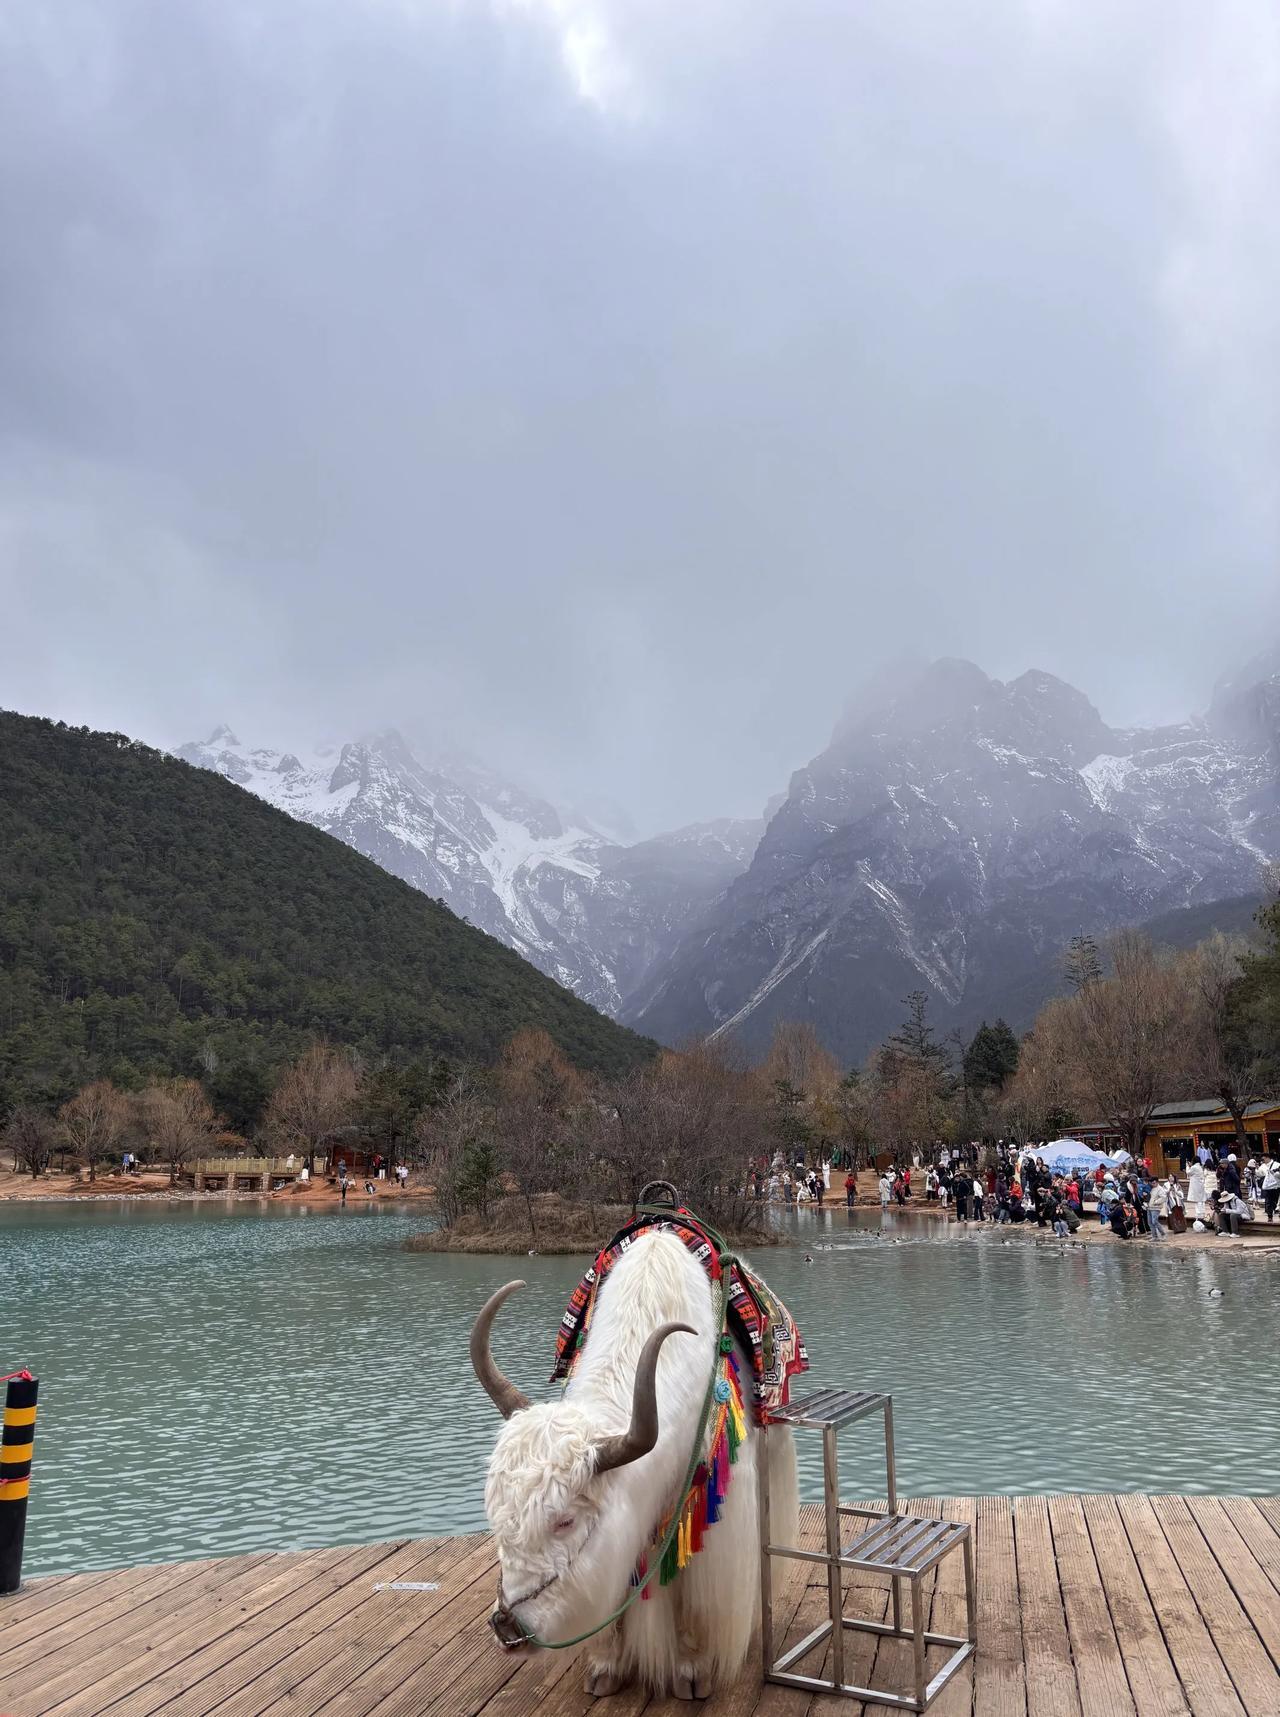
<point>916,698</point>
<point>350,769</point>
<point>955,834</point>
<point>593,913</point>
<point>1056,718</point>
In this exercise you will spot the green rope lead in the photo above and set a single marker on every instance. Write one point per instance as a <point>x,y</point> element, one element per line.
<point>655,1561</point>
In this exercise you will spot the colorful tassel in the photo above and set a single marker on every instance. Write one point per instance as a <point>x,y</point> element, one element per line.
<point>705,1501</point>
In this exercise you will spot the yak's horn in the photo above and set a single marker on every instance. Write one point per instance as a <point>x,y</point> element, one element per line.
<point>500,1390</point>
<point>642,1434</point>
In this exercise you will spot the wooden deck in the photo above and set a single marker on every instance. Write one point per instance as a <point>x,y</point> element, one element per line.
<point>1088,1606</point>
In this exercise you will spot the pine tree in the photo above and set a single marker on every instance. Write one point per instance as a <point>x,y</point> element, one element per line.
<point>991,1057</point>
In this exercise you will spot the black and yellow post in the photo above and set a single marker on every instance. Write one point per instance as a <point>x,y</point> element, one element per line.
<point>17,1441</point>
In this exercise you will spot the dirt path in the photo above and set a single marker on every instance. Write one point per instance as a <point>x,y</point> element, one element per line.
<point>155,1185</point>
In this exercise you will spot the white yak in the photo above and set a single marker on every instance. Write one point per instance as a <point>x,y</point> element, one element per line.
<point>578,1488</point>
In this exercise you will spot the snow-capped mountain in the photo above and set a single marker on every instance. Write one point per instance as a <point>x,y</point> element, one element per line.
<point>954,836</point>
<point>594,913</point>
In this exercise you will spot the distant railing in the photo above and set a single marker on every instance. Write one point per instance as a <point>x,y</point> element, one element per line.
<point>249,1165</point>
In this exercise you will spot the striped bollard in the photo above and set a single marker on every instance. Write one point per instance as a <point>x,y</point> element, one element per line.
<point>17,1441</point>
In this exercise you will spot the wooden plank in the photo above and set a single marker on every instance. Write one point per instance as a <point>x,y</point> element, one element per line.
<point>886,1664</point>
<point>1203,1675</point>
<point>948,1613</point>
<point>1269,1507</point>
<point>1086,1605</point>
<point>551,1684</point>
<point>127,1586</point>
<point>212,1676</point>
<point>373,1650</point>
<point>1252,1672</point>
<point>1050,1673</point>
<point>1000,1681</point>
<point>1254,1592</point>
<point>1100,1676</point>
<point>811,1604</point>
<point>454,1664</point>
<point>1262,1538</point>
<point>80,1645</point>
<point>139,1661</point>
<point>1153,1679</point>
<point>800,1602</point>
<point>35,1595</point>
<point>206,1681</point>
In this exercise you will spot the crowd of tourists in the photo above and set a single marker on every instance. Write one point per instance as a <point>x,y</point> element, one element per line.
<point>1128,1197</point>
<point>1011,1184</point>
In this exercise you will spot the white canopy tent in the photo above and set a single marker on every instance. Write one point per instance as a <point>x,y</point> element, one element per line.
<point>1063,1154</point>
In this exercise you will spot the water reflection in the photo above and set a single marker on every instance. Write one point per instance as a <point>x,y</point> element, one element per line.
<point>225,1377</point>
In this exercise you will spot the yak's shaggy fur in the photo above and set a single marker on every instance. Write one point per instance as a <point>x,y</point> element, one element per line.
<point>552,1516</point>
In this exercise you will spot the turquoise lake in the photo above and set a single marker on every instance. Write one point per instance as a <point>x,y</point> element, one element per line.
<point>227,1376</point>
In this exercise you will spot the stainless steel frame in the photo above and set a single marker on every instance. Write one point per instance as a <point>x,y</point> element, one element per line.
<point>903,1547</point>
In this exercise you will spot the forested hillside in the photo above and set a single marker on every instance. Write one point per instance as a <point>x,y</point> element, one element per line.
<point>156,919</point>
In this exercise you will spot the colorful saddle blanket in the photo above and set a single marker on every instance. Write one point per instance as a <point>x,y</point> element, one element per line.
<point>757,1317</point>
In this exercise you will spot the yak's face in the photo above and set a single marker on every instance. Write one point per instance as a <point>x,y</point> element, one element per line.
<point>543,1500</point>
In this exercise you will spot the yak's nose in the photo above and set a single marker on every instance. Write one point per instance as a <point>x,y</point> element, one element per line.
<point>507,1630</point>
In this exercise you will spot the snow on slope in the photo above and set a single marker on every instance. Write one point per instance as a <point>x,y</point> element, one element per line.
<point>591,913</point>
<point>960,830</point>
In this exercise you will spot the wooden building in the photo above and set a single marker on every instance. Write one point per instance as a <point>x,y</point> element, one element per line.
<point>1175,1130</point>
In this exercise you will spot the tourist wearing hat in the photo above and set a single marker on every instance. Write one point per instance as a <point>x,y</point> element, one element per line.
<point>1229,1177</point>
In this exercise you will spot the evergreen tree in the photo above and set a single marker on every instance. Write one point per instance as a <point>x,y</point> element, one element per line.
<point>913,1073</point>
<point>991,1057</point>
<point>158,922</point>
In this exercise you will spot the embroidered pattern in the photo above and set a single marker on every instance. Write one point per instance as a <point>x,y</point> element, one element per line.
<point>757,1317</point>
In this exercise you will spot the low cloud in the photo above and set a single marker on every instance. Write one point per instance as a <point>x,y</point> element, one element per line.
<point>612,387</point>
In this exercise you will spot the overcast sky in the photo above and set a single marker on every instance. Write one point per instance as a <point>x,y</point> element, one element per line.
<point>609,385</point>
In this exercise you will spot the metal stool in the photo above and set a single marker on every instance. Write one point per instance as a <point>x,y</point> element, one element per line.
<point>905,1547</point>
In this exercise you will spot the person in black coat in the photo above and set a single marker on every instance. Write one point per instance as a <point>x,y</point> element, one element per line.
<point>962,1187</point>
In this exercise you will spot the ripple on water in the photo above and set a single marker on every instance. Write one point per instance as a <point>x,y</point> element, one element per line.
<point>226,1378</point>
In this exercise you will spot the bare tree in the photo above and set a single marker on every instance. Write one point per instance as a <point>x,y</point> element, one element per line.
<point>31,1137</point>
<point>455,1140</point>
<point>1043,1093</point>
<point>94,1122</point>
<point>314,1102</point>
<point>638,1151</point>
<point>1222,1053</point>
<point>851,1106</point>
<point>1125,1035</point>
<point>178,1120</point>
<point>797,1058</point>
<point>537,1090</point>
<point>695,1118</point>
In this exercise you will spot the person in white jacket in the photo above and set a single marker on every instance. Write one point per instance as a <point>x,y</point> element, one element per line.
<point>1196,1194</point>
<point>1271,1187</point>
<point>1157,1206</point>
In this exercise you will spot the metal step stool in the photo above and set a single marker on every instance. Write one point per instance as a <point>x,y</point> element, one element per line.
<point>901,1546</point>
